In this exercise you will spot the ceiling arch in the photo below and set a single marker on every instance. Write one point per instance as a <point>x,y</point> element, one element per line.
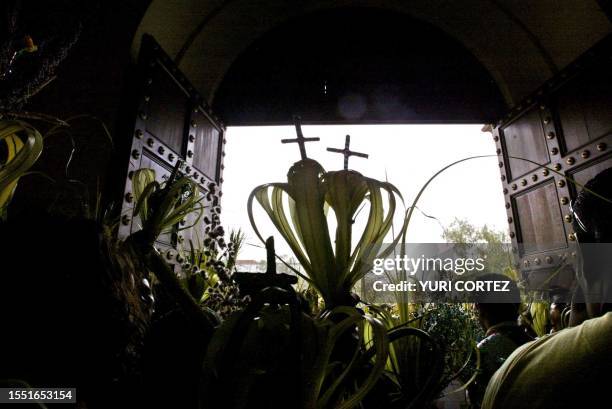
<point>356,64</point>
<point>521,44</point>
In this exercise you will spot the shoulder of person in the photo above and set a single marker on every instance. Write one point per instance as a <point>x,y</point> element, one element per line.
<point>554,356</point>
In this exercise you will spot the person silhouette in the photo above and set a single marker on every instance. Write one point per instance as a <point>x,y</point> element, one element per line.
<point>498,315</point>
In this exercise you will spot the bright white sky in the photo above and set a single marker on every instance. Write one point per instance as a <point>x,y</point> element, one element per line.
<point>408,155</point>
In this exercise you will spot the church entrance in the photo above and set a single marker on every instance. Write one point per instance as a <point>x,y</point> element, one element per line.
<point>305,204</point>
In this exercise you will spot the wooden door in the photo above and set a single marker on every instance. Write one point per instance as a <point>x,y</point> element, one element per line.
<point>171,123</point>
<point>564,131</point>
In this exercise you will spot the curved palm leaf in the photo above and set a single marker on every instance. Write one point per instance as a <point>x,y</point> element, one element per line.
<point>24,146</point>
<point>161,207</point>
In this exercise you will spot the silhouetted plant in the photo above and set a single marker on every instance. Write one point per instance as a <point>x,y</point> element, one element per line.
<point>28,64</point>
<point>333,269</point>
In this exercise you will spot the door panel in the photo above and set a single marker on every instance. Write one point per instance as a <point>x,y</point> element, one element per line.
<point>167,109</point>
<point>172,125</point>
<point>524,138</point>
<point>566,126</point>
<point>585,108</point>
<point>540,217</point>
<point>206,146</point>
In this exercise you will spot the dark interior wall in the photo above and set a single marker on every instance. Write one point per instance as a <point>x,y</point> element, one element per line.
<point>93,81</point>
<point>364,65</point>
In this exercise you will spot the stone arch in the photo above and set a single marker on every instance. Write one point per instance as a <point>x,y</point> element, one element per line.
<point>520,45</point>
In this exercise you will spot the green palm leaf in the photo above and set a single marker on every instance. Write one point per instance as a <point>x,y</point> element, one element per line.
<point>24,146</point>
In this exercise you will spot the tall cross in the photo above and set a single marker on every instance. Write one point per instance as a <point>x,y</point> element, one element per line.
<point>347,152</point>
<point>270,257</point>
<point>300,140</point>
<point>253,283</point>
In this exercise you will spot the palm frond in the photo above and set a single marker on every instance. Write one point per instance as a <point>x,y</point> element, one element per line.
<point>24,145</point>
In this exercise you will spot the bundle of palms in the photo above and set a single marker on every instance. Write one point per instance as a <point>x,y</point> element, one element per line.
<point>182,325</point>
<point>310,192</point>
<point>345,371</point>
<point>161,207</point>
<point>207,273</point>
<point>274,355</point>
